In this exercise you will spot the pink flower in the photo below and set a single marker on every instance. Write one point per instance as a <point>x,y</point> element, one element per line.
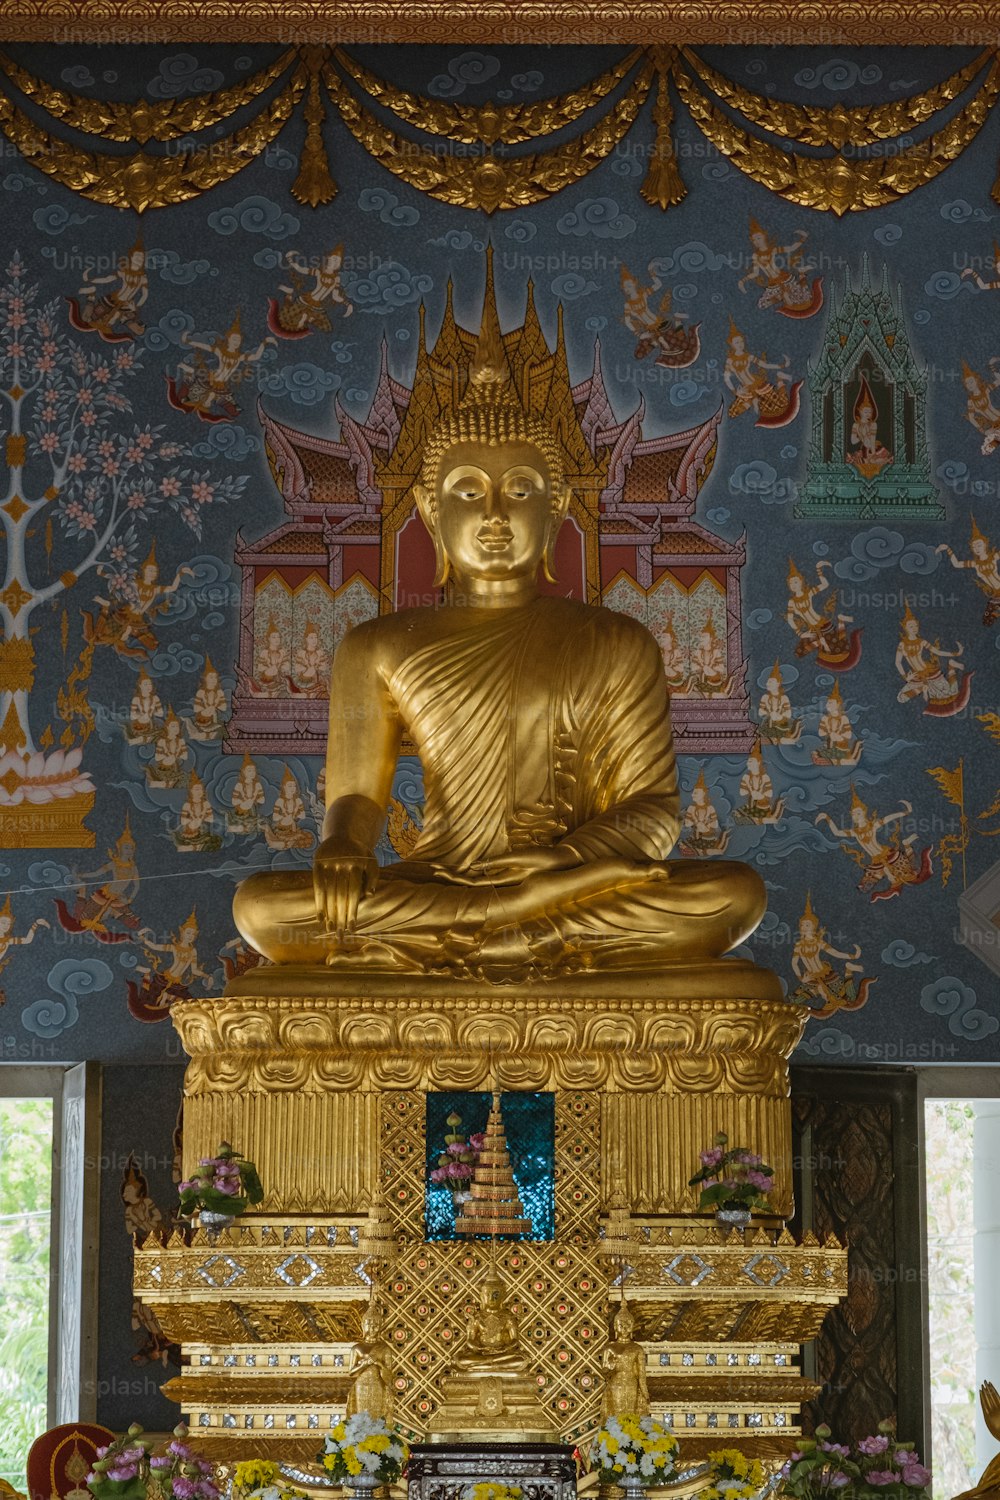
<point>203,492</point>
<point>478,1141</point>
<point>85,395</point>
<point>881,1477</point>
<point>102,374</point>
<point>136,500</point>
<point>915,1475</point>
<point>145,439</point>
<point>870,1446</point>
<point>226,1185</point>
<point>184,1489</point>
<point>837,1480</point>
<point>88,418</point>
<point>77,463</point>
<point>841,1449</point>
<point>48,442</point>
<point>711,1158</point>
<point>170,485</point>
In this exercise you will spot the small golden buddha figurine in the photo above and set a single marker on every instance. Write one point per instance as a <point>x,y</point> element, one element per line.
<point>491,1341</point>
<point>489,1388</point>
<point>543,727</point>
<point>372,1389</point>
<point>624,1365</point>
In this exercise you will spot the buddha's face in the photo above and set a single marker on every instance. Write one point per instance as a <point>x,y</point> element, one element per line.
<point>495,509</point>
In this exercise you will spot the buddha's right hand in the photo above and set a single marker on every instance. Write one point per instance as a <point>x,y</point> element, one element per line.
<point>340,878</point>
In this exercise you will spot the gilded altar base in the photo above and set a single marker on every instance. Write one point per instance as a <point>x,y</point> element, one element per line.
<point>325,1087</point>
<point>300,1079</point>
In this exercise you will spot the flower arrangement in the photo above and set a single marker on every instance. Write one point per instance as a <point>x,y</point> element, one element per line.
<point>132,1466</point>
<point>734,1476</point>
<point>260,1477</point>
<point>634,1447</point>
<point>732,1177</point>
<point>877,1467</point>
<point>490,1491</point>
<point>366,1447</point>
<point>222,1184</point>
<point>457,1161</point>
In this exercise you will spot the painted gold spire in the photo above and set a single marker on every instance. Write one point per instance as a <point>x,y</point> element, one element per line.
<point>495,1207</point>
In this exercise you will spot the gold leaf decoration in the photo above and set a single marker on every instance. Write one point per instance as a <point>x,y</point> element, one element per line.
<point>489,123</point>
<point>490,182</point>
<point>139,180</point>
<point>836,126</point>
<point>663,184</point>
<point>314,185</point>
<point>835,182</point>
<point>140,120</point>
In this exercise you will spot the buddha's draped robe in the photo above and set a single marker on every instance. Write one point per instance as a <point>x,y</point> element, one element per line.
<point>523,746</point>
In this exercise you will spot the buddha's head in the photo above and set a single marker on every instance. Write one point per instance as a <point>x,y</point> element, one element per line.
<point>372,1322</point>
<point>491,490</point>
<point>624,1323</point>
<point>492,1294</point>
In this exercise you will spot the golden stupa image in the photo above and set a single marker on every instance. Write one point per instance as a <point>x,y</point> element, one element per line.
<point>494,1207</point>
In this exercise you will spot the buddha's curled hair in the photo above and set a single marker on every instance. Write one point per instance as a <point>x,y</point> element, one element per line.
<point>489,422</point>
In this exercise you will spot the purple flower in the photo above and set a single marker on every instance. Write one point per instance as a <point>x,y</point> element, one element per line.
<point>870,1446</point>
<point>916,1475</point>
<point>161,1461</point>
<point>837,1480</point>
<point>123,1473</point>
<point>184,1489</point>
<point>711,1158</point>
<point>882,1476</point>
<point>841,1449</point>
<point>226,1185</point>
<point>478,1140</point>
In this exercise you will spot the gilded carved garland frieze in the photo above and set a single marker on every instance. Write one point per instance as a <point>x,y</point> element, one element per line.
<point>499,22</point>
<point>487,176</point>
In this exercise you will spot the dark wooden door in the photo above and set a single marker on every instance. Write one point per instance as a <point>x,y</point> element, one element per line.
<point>857,1175</point>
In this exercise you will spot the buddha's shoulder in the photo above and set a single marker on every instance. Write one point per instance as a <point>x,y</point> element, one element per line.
<point>598,621</point>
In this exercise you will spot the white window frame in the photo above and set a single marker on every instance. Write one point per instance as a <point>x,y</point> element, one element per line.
<point>74,1236</point>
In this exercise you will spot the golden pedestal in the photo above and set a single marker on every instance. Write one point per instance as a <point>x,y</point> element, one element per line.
<point>325,1089</point>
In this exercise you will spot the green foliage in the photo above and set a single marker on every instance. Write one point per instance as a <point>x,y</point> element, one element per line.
<point>25,1211</point>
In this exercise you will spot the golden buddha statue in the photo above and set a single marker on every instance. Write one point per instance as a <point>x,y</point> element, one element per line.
<point>489,1388</point>
<point>543,727</point>
<point>373,1383</point>
<point>491,1340</point>
<point>624,1366</point>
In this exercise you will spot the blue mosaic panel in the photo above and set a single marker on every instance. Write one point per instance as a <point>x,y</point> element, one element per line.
<point>530,1125</point>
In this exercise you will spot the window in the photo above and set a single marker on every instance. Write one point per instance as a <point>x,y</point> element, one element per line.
<point>49,1186</point>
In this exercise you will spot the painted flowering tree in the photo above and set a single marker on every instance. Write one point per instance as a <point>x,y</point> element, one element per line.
<point>84,484</point>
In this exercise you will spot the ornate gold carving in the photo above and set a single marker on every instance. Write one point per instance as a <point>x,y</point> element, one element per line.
<point>837,125</point>
<point>139,180</point>
<point>489,123</point>
<point>314,185</point>
<point>497,22</point>
<point>17,665</point>
<point>144,120</point>
<point>835,182</point>
<point>490,182</point>
<point>662,184</point>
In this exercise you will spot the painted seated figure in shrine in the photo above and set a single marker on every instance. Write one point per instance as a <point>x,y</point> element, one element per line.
<point>543,727</point>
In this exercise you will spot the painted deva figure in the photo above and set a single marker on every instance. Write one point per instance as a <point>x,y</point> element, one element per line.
<point>543,726</point>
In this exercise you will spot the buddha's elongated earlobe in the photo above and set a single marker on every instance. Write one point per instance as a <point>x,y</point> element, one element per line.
<point>560,507</point>
<point>427,506</point>
<point>442,562</point>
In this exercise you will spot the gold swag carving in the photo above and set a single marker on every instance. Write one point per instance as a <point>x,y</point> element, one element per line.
<point>140,180</point>
<point>837,182</point>
<point>488,123</point>
<point>487,179</point>
<point>836,126</point>
<point>490,182</point>
<point>143,120</point>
